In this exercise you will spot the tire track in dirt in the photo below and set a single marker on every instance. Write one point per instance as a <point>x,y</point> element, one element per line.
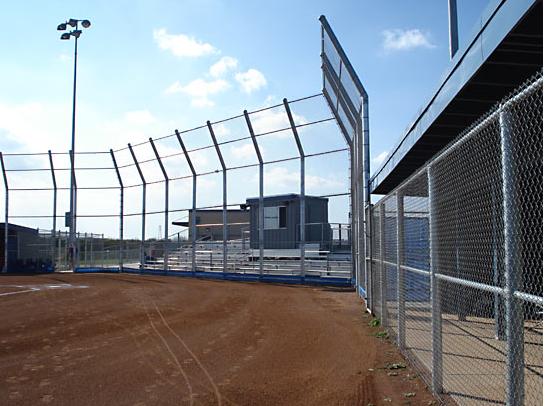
<point>139,303</point>
<point>199,363</point>
<point>174,358</point>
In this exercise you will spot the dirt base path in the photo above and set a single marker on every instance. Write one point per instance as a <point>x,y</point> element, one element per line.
<point>107,339</point>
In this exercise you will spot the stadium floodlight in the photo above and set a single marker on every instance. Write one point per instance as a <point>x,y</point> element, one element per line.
<point>72,244</point>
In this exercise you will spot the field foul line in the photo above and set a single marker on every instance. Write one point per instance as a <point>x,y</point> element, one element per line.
<point>20,291</point>
<point>36,288</point>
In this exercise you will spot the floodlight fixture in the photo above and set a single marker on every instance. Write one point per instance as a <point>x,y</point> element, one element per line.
<point>72,22</point>
<point>61,27</point>
<point>76,33</point>
<point>86,23</point>
<point>65,35</point>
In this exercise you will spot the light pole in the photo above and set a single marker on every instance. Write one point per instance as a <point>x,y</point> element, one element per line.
<point>76,32</point>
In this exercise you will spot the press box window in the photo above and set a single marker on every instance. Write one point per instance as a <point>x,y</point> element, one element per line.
<point>275,217</point>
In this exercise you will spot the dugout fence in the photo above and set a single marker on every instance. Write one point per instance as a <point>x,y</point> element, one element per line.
<point>456,265</point>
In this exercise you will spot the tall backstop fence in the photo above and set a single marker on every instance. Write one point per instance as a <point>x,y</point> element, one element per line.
<point>457,259</point>
<point>207,180</point>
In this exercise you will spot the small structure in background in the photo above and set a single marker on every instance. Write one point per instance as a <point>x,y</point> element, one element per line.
<point>210,224</point>
<point>27,250</point>
<point>282,222</point>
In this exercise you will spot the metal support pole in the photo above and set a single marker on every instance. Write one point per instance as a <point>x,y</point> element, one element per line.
<point>54,226</point>
<point>6,215</point>
<point>143,222</point>
<point>400,271</point>
<point>435,294</point>
<point>224,169</point>
<point>165,243</point>
<point>194,204</point>
<point>302,201</point>
<point>364,170</point>
<point>370,275</point>
<point>261,209</point>
<point>499,311</point>
<point>85,250</point>
<point>514,320</point>
<point>73,215</point>
<point>383,281</point>
<point>453,27</point>
<point>121,205</point>
<point>73,186</point>
<point>353,216</point>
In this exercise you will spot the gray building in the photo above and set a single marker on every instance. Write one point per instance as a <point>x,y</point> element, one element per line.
<point>210,224</point>
<point>282,222</point>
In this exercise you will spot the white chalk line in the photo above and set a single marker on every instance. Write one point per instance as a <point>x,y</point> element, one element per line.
<point>19,291</point>
<point>37,288</point>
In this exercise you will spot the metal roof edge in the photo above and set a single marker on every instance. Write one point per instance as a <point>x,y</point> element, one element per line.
<point>474,54</point>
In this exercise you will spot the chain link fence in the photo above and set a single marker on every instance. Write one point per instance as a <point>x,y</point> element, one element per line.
<point>457,265</point>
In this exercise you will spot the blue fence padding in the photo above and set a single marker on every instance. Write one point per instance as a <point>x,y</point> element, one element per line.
<point>362,292</point>
<point>287,279</point>
<point>97,270</point>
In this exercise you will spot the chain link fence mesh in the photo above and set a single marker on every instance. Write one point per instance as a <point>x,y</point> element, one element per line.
<point>485,216</point>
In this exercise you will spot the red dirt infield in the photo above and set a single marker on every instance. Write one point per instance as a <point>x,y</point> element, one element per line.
<point>109,339</point>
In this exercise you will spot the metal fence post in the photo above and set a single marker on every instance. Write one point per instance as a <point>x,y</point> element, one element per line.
<point>85,260</point>
<point>121,205</point>
<point>194,204</point>
<point>224,169</point>
<point>369,290</point>
<point>165,243</point>
<point>499,311</point>
<point>353,216</point>
<point>92,250</point>
<point>54,226</point>
<point>363,196</point>
<point>514,321</point>
<point>400,271</point>
<point>435,294</point>
<point>74,244</point>
<point>383,281</point>
<point>6,215</point>
<point>143,222</point>
<point>261,209</point>
<point>302,200</point>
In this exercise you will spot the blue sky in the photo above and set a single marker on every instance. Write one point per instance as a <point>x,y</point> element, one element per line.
<point>145,68</point>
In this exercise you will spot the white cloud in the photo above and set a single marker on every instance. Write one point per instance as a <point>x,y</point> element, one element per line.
<point>221,67</point>
<point>139,117</point>
<point>245,152</point>
<point>221,131</point>
<point>50,120</point>
<point>251,80</point>
<point>400,40</point>
<point>199,90</point>
<point>377,160</point>
<point>182,45</point>
<point>271,120</point>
